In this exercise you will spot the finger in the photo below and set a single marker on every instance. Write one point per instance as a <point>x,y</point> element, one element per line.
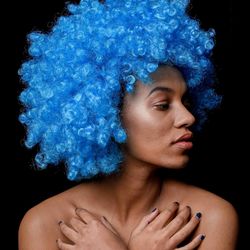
<point>183,233</point>
<point>194,243</point>
<point>165,216</point>
<point>78,225</point>
<point>64,246</point>
<point>85,215</point>
<point>177,223</point>
<point>108,225</point>
<point>146,220</point>
<point>68,232</point>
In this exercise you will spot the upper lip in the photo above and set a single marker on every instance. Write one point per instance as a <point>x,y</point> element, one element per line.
<point>184,137</point>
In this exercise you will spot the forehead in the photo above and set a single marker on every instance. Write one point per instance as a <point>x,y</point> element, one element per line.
<point>164,76</point>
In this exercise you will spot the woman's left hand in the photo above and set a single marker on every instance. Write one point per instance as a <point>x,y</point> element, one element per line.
<point>90,233</point>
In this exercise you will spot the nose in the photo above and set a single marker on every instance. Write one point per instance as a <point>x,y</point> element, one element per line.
<point>183,117</point>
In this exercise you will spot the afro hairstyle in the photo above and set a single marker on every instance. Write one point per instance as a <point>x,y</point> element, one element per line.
<point>77,73</point>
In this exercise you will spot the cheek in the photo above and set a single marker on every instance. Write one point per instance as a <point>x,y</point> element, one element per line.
<point>149,138</point>
<point>146,133</point>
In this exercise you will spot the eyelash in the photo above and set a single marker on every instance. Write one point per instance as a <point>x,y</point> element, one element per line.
<point>163,106</point>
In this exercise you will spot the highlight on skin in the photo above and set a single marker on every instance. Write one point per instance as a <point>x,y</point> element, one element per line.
<point>76,75</point>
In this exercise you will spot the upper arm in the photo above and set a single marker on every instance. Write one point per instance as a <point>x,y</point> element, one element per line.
<point>221,227</point>
<point>33,233</point>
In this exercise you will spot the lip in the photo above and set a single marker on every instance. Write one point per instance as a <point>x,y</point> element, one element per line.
<point>184,137</point>
<point>184,141</point>
<point>186,145</point>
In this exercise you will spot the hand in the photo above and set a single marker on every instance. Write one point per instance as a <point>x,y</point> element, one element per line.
<point>165,230</point>
<point>90,233</point>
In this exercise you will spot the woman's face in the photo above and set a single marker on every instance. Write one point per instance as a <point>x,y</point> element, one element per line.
<point>157,120</point>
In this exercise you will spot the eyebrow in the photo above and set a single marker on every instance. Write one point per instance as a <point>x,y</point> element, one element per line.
<point>166,89</point>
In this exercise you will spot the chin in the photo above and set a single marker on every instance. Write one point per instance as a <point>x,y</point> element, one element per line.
<point>179,163</point>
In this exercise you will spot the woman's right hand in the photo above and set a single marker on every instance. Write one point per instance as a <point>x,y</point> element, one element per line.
<point>166,230</point>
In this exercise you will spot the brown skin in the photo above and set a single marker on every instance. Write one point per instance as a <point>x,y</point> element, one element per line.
<point>128,196</point>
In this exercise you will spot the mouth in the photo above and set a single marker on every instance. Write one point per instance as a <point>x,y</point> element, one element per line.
<point>184,142</point>
<point>185,145</point>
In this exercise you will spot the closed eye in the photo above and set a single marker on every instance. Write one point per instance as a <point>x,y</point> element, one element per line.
<point>162,106</point>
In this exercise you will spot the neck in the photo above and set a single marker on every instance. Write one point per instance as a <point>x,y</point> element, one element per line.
<point>134,190</point>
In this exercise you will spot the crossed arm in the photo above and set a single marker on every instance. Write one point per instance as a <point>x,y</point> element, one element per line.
<point>158,231</point>
<point>155,231</point>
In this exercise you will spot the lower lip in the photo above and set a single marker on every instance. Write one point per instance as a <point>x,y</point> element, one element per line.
<point>185,145</point>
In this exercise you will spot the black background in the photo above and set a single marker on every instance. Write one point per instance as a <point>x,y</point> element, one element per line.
<point>218,165</point>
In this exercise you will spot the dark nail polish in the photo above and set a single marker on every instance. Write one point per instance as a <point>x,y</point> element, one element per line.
<point>177,203</point>
<point>153,210</point>
<point>202,237</point>
<point>198,215</point>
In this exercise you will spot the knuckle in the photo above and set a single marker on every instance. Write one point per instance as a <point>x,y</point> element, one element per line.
<point>149,228</point>
<point>172,208</point>
<point>81,211</point>
<point>145,218</point>
<point>168,210</point>
<point>179,219</point>
<point>185,213</point>
<point>146,221</point>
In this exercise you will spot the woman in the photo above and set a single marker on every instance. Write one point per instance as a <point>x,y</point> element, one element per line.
<point>109,93</point>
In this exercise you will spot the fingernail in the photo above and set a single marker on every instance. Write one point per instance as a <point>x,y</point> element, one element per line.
<point>177,203</point>
<point>153,210</point>
<point>60,222</point>
<point>202,237</point>
<point>198,215</point>
<point>188,207</point>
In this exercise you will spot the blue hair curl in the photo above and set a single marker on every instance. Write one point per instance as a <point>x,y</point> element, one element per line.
<point>77,71</point>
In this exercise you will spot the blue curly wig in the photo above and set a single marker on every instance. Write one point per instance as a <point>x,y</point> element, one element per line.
<point>76,75</point>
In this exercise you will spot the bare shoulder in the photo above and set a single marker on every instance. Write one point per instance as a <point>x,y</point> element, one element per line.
<point>219,220</point>
<point>215,207</point>
<point>34,228</point>
<point>198,197</point>
<point>39,226</point>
